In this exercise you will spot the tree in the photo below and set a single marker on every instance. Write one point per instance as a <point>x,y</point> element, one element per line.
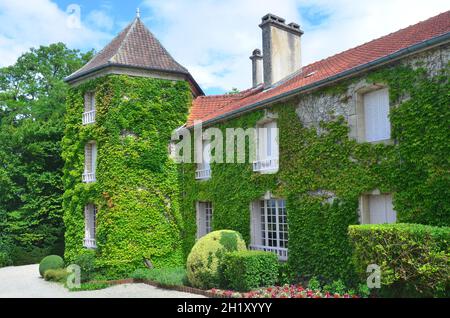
<point>32,107</point>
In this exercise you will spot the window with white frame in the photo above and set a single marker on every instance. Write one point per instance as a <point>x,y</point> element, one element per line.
<point>204,218</point>
<point>89,108</point>
<point>377,126</point>
<point>204,168</point>
<point>90,162</point>
<point>90,219</point>
<point>269,228</point>
<point>267,148</point>
<point>377,209</point>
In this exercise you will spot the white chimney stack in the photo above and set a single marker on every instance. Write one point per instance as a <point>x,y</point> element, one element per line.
<point>257,67</point>
<point>281,48</point>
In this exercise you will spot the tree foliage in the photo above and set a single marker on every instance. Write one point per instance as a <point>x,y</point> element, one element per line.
<point>32,105</point>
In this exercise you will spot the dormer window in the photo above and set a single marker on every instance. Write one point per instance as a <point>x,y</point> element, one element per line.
<point>89,108</point>
<point>267,148</point>
<point>377,126</point>
<point>90,162</point>
<point>204,169</point>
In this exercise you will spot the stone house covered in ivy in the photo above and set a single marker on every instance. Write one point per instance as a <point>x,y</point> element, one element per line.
<point>354,138</point>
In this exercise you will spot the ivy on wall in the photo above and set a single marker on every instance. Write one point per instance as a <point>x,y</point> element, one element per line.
<point>137,191</point>
<point>322,176</point>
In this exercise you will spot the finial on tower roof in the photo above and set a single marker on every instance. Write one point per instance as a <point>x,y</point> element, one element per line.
<point>138,13</point>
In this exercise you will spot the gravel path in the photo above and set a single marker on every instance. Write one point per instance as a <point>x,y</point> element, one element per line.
<point>25,282</point>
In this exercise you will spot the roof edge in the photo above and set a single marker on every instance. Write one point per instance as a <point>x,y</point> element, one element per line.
<point>72,78</point>
<point>436,41</point>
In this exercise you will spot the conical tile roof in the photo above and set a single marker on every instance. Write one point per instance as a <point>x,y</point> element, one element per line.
<point>134,47</point>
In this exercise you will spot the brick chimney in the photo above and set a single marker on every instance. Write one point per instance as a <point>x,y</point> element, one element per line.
<point>281,48</point>
<point>257,67</point>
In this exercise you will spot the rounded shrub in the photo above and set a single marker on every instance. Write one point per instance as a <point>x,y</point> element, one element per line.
<point>204,259</point>
<point>50,262</point>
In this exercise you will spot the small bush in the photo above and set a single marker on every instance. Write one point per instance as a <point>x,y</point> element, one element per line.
<point>204,259</point>
<point>336,287</point>
<point>56,275</point>
<point>413,258</point>
<point>50,262</point>
<point>314,284</point>
<point>166,277</point>
<point>86,262</point>
<point>247,270</point>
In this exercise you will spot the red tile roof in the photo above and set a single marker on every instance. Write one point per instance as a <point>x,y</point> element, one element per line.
<point>207,108</point>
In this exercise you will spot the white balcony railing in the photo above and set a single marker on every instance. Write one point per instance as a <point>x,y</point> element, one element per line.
<point>267,165</point>
<point>89,117</point>
<point>89,243</point>
<point>89,177</point>
<point>281,252</point>
<point>203,174</point>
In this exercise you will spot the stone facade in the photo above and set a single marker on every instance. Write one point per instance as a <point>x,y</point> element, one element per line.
<point>328,105</point>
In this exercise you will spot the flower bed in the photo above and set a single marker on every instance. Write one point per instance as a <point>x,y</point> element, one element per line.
<point>294,291</point>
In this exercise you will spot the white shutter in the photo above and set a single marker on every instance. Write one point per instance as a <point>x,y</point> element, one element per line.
<point>88,158</point>
<point>201,220</point>
<point>381,210</point>
<point>255,223</point>
<point>273,140</point>
<point>94,157</point>
<point>377,208</point>
<point>261,143</point>
<point>89,217</point>
<point>207,155</point>
<point>92,101</point>
<point>87,102</point>
<point>376,116</point>
<point>268,141</point>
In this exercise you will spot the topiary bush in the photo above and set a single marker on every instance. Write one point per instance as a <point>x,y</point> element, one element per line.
<point>50,262</point>
<point>206,255</point>
<point>413,258</point>
<point>248,270</point>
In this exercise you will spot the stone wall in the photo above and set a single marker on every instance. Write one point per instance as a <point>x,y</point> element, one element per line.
<point>329,104</point>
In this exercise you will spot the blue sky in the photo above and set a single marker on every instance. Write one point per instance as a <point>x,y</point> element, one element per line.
<point>212,38</point>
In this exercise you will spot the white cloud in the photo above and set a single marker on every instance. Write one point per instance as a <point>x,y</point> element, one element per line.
<point>214,39</point>
<point>101,20</point>
<point>26,24</point>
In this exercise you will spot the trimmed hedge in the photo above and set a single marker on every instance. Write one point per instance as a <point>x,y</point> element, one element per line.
<point>413,258</point>
<point>248,270</point>
<point>206,256</point>
<point>50,262</point>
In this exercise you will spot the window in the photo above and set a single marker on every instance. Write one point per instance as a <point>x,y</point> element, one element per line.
<point>204,168</point>
<point>90,219</point>
<point>377,209</point>
<point>89,108</point>
<point>267,148</point>
<point>204,218</point>
<point>90,162</point>
<point>270,227</point>
<point>377,126</point>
